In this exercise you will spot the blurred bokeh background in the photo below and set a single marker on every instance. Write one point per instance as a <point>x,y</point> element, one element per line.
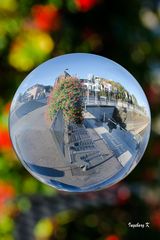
<point>128,32</point>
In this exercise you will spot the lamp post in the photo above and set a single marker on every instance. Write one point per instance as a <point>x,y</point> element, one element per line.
<point>87,92</point>
<point>66,73</point>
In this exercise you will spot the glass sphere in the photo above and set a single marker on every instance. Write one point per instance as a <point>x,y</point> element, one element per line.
<point>80,122</point>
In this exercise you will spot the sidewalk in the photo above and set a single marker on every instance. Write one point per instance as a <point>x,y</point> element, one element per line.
<point>40,154</point>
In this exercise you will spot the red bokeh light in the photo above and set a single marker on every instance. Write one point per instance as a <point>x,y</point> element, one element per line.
<point>85,5</point>
<point>46,17</point>
<point>7,108</point>
<point>112,237</point>
<point>5,141</point>
<point>153,94</point>
<point>155,219</point>
<point>7,192</point>
<point>123,194</point>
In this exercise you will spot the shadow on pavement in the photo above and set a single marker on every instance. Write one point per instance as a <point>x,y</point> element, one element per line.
<point>45,170</point>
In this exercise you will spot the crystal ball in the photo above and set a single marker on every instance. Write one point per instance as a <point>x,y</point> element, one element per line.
<point>79,122</point>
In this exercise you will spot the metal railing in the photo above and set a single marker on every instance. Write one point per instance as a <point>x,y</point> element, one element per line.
<point>104,101</point>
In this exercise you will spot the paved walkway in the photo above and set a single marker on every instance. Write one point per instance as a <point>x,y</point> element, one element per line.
<point>91,153</point>
<point>34,144</point>
<point>120,141</point>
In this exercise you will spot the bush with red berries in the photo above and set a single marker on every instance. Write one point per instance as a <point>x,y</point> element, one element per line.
<point>66,96</point>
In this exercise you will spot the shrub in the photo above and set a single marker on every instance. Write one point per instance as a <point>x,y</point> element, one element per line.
<point>67,96</point>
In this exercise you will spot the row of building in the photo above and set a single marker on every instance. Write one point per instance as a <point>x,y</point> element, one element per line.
<point>94,87</point>
<point>99,87</point>
<point>36,92</point>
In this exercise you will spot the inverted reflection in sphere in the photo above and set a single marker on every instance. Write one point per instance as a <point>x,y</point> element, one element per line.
<point>79,122</point>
